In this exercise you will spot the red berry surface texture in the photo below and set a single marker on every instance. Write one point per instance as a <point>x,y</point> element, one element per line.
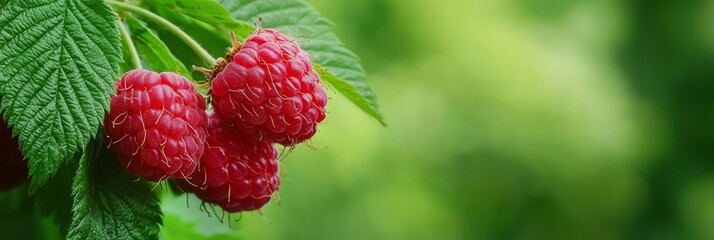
<point>237,172</point>
<point>156,125</point>
<point>270,91</point>
<point>13,169</point>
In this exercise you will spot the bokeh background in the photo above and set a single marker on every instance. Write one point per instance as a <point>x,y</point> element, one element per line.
<point>508,119</point>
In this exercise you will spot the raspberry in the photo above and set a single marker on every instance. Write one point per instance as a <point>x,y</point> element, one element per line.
<point>269,90</point>
<point>156,125</point>
<point>237,172</point>
<point>13,169</point>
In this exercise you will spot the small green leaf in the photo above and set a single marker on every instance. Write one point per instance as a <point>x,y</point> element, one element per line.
<point>208,11</point>
<point>152,50</point>
<point>58,63</point>
<point>201,15</point>
<point>111,204</point>
<point>297,18</point>
<point>211,38</point>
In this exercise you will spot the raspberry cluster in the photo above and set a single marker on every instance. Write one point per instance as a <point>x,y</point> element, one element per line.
<point>265,93</point>
<point>13,169</point>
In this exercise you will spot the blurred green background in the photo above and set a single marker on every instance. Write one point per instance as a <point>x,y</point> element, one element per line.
<point>508,119</point>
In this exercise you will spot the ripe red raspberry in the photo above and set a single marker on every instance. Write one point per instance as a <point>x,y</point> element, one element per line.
<point>270,90</point>
<point>156,125</point>
<point>237,172</point>
<point>13,169</point>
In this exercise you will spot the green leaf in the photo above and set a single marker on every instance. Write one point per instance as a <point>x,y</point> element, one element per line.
<point>58,63</point>
<point>357,91</point>
<point>152,50</point>
<point>111,204</point>
<point>213,35</point>
<point>208,11</point>
<point>210,37</point>
<point>297,18</point>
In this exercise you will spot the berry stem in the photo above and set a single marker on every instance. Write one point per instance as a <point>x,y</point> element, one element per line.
<point>134,59</point>
<point>202,53</point>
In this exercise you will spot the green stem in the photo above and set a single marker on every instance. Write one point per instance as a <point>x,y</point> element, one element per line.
<point>134,59</point>
<point>202,53</point>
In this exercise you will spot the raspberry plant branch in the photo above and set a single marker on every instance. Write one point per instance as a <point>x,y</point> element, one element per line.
<point>134,60</point>
<point>195,46</point>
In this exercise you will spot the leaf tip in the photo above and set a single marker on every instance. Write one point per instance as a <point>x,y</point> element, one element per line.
<point>382,121</point>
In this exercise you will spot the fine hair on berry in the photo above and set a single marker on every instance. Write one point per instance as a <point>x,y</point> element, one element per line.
<point>269,90</point>
<point>237,172</point>
<point>156,125</point>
